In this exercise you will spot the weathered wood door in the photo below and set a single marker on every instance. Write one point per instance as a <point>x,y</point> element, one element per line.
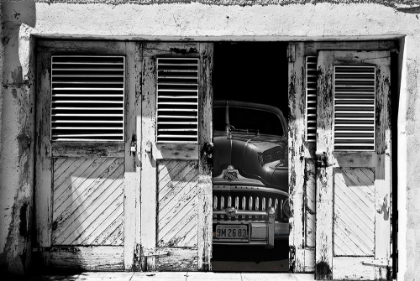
<point>353,174</point>
<point>301,138</point>
<point>176,131</point>
<point>87,178</point>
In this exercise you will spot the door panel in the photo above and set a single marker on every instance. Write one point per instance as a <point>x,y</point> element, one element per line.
<point>354,213</point>
<point>176,102</point>
<point>88,201</point>
<point>301,163</point>
<point>353,171</point>
<point>86,180</point>
<point>177,203</point>
<point>310,206</point>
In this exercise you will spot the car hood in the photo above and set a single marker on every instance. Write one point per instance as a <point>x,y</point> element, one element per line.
<point>258,159</point>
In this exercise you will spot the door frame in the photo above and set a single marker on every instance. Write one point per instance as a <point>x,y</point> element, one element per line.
<point>302,157</point>
<point>296,105</point>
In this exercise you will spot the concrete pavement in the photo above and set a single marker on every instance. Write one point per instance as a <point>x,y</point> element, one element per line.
<point>171,276</point>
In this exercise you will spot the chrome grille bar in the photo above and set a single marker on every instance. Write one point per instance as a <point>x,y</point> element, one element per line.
<point>243,205</point>
<point>248,207</point>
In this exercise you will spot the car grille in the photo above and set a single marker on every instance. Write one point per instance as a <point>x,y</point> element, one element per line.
<point>248,201</point>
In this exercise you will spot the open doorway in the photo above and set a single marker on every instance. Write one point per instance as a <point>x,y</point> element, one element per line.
<point>250,169</point>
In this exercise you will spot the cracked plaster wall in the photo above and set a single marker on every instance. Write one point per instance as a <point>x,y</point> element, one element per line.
<point>16,152</point>
<point>196,20</point>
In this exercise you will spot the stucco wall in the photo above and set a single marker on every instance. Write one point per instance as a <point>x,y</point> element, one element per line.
<point>16,170</point>
<point>195,21</point>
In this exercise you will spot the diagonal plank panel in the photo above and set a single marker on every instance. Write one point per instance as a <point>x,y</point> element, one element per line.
<point>88,198</point>
<point>310,205</point>
<point>177,203</point>
<point>354,213</point>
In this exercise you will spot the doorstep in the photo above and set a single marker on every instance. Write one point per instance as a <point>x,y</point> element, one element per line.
<point>175,276</point>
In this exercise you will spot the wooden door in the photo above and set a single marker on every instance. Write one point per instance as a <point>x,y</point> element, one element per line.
<point>176,132</point>
<point>353,175</point>
<point>301,143</point>
<point>87,178</point>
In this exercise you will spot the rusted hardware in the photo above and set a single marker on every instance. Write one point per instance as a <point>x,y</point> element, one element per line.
<point>133,145</point>
<point>378,262</point>
<point>207,153</point>
<point>148,148</point>
<point>321,160</point>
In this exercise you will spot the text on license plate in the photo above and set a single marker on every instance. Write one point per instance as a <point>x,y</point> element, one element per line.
<point>231,231</point>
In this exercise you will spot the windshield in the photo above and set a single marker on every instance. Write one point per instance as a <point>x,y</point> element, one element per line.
<point>247,119</point>
<point>219,118</point>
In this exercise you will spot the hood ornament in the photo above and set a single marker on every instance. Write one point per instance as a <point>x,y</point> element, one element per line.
<point>230,174</point>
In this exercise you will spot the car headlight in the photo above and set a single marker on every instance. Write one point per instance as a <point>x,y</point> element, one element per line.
<point>286,208</point>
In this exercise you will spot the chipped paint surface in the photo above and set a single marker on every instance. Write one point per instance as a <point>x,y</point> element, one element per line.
<point>400,5</point>
<point>177,199</point>
<point>228,20</point>
<point>16,150</point>
<point>343,184</point>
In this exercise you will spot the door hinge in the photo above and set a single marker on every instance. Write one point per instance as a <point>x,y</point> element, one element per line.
<point>207,153</point>
<point>378,262</point>
<point>41,249</point>
<point>321,160</point>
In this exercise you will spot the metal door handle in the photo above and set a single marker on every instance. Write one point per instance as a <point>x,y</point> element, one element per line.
<point>321,159</point>
<point>148,148</point>
<point>133,145</point>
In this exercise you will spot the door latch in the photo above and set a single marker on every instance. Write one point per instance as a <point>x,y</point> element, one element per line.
<point>148,149</point>
<point>321,160</point>
<point>133,146</point>
<point>207,153</point>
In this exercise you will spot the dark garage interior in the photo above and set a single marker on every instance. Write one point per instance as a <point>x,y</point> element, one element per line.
<point>254,72</point>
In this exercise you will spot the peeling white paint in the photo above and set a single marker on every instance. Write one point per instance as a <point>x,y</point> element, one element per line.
<point>196,21</point>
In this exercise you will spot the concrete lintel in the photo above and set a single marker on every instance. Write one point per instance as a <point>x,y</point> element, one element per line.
<point>256,38</point>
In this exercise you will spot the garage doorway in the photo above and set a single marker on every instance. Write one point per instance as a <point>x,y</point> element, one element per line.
<point>250,174</point>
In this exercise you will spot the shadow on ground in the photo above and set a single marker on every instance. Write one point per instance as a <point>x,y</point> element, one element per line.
<point>251,258</point>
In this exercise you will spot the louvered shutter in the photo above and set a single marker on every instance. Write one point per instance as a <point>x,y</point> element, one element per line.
<point>352,233</point>
<point>311,84</point>
<point>87,176</point>
<point>176,184</point>
<point>354,108</point>
<point>87,102</point>
<point>177,100</point>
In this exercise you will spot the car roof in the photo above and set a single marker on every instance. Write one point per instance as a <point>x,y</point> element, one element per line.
<point>253,105</point>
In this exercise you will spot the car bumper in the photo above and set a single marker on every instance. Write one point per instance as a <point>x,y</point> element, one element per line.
<point>263,231</point>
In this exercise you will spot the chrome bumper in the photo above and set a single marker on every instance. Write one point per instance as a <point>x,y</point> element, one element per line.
<point>260,232</point>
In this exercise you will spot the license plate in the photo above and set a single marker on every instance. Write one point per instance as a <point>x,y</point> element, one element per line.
<point>231,231</point>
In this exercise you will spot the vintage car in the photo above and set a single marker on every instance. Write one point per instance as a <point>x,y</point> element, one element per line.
<point>250,174</point>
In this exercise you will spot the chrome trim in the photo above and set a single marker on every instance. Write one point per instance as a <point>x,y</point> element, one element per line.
<point>240,212</point>
<point>255,243</point>
<point>281,232</point>
<point>235,222</point>
<point>248,188</point>
<point>239,221</point>
<point>268,227</point>
<point>241,180</point>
